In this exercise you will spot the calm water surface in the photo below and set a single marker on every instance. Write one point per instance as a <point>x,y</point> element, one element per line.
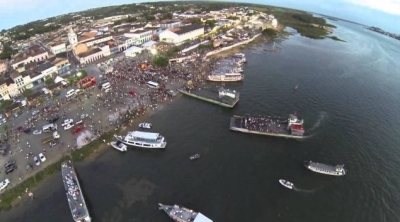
<point>348,94</point>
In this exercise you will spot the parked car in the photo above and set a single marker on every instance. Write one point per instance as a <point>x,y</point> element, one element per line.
<point>53,120</point>
<point>36,160</point>
<point>10,163</point>
<point>66,122</point>
<point>42,157</point>
<point>10,169</point>
<point>68,126</point>
<point>37,132</point>
<point>35,112</point>
<point>27,130</point>
<point>4,184</point>
<point>77,129</point>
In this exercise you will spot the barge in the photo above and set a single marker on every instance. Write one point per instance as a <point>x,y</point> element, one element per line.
<point>291,127</point>
<point>222,97</point>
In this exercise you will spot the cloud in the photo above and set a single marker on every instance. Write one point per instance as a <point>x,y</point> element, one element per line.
<point>388,6</point>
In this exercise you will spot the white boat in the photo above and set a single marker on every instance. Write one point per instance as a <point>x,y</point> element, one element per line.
<point>145,125</point>
<point>143,139</point>
<point>119,146</point>
<point>286,184</point>
<point>239,55</point>
<point>225,77</point>
<point>195,156</point>
<point>183,214</point>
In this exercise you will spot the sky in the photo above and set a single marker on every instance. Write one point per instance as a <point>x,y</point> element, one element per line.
<point>380,13</point>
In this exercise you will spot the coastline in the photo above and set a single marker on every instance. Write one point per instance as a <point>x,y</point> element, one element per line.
<point>12,197</point>
<point>90,152</point>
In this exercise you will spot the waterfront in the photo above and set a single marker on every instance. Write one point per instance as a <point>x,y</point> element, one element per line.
<point>348,96</point>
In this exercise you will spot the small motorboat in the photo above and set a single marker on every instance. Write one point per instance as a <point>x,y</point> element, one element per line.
<point>195,156</point>
<point>119,146</point>
<point>145,125</point>
<point>296,87</point>
<point>286,184</point>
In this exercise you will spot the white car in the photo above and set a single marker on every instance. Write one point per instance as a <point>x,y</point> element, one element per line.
<point>66,122</point>
<point>36,160</point>
<point>68,126</point>
<point>37,132</point>
<point>42,157</point>
<point>4,184</point>
<point>35,112</point>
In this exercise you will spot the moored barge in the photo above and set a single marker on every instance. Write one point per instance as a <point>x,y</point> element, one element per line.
<point>291,127</point>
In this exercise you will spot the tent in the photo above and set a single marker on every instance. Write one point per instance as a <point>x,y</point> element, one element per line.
<point>149,45</point>
<point>132,51</point>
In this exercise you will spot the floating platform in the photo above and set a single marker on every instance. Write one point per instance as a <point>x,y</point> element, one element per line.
<point>237,123</point>
<point>212,96</point>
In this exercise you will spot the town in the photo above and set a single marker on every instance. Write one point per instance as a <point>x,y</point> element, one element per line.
<point>92,75</point>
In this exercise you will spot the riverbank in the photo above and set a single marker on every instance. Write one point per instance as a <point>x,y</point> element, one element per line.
<point>12,197</point>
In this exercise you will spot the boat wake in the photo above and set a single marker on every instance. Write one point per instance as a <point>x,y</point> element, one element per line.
<point>302,190</point>
<point>322,116</point>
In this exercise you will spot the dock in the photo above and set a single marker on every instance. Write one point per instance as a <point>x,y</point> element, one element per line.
<point>212,96</point>
<point>237,124</point>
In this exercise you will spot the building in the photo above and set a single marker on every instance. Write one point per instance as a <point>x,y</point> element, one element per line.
<point>72,37</point>
<point>62,63</point>
<point>149,45</point>
<point>141,36</point>
<point>170,24</point>
<point>41,72</point>
<point>3,66</point>
<point>34,53</point>
<point>57,47</point>
<point>182,34</point>
<point>90,55</point>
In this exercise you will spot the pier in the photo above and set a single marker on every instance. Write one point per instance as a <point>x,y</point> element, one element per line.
<point>212,96</point>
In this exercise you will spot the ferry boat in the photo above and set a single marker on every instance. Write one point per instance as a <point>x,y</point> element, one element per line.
<point>182,214</point>
<point>145,125</point>
<point>291,127</point>
<point>286,184</point>
<point>74,193</point>
<point>225,77</point>
<point>337,170</point>
<point>143,139</point>
<point>118,145</point>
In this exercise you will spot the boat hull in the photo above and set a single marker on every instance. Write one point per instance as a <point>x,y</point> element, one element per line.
<point>321,171</point>
<point>283,183</point>
<point>235,126</point>
<point>213,79</point>
<point>142,144</point>
<point>115,146</point>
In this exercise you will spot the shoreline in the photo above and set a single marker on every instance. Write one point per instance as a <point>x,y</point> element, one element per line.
<point>90,152</point>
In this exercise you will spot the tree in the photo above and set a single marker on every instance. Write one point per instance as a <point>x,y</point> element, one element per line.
<point>5,127</point>
<point>269,32</point>
<point>211,23</point>
<point>4,104</point>
<point>48,81</point>
<point>27,92</point>
<point>161,61</point>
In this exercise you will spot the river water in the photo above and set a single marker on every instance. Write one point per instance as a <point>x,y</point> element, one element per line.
<point>348,94</point>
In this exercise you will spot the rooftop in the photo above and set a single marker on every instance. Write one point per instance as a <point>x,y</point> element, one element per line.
<point>90,52</point>
<point>29,52</point>
<point>185,29</point>
<point>140,31</point>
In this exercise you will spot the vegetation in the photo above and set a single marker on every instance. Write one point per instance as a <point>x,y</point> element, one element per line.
<point>49,81</point>
<point>27,92</point>
<point>211,23</point>
<point>5,127</point>
<point>233,17</point>
<point>7,51</point>
<point>161,61</point>
<point>5,103</point>
<point>268,32</point>
<point>78,76</point>
<point>336,38</point>
<point>9,196</point>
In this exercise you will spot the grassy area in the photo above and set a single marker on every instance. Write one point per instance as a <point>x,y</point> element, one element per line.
<point>336,38</point>
<point>304,23</point>
<point>10,196</point>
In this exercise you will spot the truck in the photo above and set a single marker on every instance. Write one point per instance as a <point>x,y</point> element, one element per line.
<point>51,138</point>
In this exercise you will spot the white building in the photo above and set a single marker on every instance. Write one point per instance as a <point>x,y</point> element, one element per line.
<point>181,34</point>
<point>57,48</point>
<point>97,40</point>
<point>171,24</point>
<point>140,36</point>
<point>149,45</point>
<point>72,37</point>
<point>33,53</point>
<point>90,56</point>
<point>133,51</point>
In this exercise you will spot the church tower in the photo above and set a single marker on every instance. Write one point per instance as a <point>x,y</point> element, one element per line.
<point>72,37</point>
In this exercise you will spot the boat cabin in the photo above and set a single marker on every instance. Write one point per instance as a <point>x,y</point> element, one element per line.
<point>144,136</point>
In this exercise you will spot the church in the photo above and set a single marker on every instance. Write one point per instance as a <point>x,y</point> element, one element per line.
<point>91,46</point>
